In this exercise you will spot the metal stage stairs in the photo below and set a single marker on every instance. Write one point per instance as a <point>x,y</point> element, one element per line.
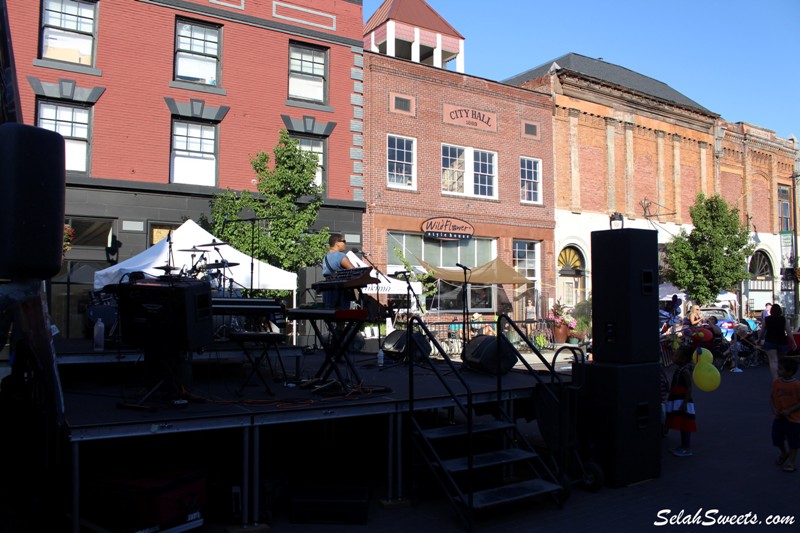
<point>482,462</point>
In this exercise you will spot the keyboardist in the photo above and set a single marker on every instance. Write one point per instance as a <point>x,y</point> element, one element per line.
<point>334,261</point>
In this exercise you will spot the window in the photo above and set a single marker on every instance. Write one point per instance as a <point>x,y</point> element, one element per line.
<point>526,255</point>
<point>435,252</point>
<point>196,52</point>
<point>68,31</point>
<point>72,122</point>
<point>469,171</point>
<point>402,104</point>
<point>307,70</point>
<point>316,147</point>
<point>530,130</point>
<point>401,162</point>
<point>453,169</point>
<point>194,153</point>
<point>529,180</point>
<point>784,211</point>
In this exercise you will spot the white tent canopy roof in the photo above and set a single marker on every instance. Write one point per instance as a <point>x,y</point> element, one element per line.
<point>187,237</point>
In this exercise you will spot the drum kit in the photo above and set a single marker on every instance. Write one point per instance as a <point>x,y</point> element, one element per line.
<point>215,273</point>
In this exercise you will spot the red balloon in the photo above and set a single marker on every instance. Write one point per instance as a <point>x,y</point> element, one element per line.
<point>702,336</point>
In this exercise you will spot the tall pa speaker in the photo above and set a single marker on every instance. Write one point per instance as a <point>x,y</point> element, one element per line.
<point>33,180</point>
<point>490,354</point>
<point>394,345</point>
<point>625,296</point>
<point>619,419</point>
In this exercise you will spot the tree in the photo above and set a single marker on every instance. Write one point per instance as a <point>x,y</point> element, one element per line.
<point>713,257</point>
<point>274,224</point>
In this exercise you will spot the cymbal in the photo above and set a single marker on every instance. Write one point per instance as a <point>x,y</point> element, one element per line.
<point>212,243</point>
<point>222,264</point>
<point>167,268</point>
<point>193,249</point>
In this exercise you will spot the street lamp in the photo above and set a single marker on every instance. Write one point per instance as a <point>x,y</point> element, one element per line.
<point>616,220</point>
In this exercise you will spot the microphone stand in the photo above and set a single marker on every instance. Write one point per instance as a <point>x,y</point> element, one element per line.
<point>464,332</point>
<point>252,222</point>
<point>378,270</point>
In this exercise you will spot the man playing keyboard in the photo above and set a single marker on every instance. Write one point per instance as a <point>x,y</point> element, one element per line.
<point>334,261</point>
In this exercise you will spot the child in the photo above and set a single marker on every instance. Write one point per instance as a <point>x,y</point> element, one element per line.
<point>736,348</point>
<point>680,407</point>
<point>785,400</point>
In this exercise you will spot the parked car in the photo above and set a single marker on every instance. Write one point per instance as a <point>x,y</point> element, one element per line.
<point>725,319</point>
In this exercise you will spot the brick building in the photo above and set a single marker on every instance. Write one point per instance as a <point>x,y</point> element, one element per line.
<point>630,144</point>
<point>163,102</point>
<point>445,145</point>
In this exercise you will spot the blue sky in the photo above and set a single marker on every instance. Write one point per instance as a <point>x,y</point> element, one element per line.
<point>737,58</point>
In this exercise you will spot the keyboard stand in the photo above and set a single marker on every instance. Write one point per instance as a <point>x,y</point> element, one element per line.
<point>265,340</point>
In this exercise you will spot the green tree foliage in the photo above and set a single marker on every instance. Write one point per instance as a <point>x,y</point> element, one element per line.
<point>713,257</point>
<point>274,224</point>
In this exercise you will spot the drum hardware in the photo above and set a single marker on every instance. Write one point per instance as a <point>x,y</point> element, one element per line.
<point>221,264</point>
<point>212,244</point>
<point>167,268</point>
<point>193,249</point>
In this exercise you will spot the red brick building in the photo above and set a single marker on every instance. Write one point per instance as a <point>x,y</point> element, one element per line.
<point>163,102</point>
<point>445,145</point>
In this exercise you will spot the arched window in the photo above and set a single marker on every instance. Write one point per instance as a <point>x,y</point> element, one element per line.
<point>571,276</point>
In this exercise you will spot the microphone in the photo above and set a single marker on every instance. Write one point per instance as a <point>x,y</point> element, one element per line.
<point>403,273</point>
<point>462,266</point>
<point>356,251</point>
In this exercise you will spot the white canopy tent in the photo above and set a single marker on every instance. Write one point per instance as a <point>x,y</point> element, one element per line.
<point>188,237</point>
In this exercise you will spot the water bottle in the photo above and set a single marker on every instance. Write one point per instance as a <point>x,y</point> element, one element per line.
<point>380,356</point>
<point>99,335</point>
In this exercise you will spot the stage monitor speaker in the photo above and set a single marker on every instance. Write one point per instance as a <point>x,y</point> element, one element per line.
<point>394,345</point>
<point>32,203</point>
<point>490,354</point>
<point>166,314</point>
<point>625,296</point>
<point>619,420</point>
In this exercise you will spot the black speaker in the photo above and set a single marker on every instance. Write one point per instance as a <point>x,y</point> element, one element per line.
<point>490,354</point>
<point>172,315</point>
<point>625,296</point>
<point>394,345</point>
<point>619,419</point>
<point>33,180</point>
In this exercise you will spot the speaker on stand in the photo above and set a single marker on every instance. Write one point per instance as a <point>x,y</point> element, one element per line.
<point>619,412</point>
<point>394,345</point>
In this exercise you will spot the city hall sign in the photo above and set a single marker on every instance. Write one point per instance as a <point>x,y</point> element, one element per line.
<point>447,229</point>
<point>471,118</point>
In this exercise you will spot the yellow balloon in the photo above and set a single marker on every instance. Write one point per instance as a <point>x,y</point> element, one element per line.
<point>706,377</point>
<point>702,355</point>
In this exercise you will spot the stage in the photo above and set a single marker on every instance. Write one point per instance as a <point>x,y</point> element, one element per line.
<point>213,414</point>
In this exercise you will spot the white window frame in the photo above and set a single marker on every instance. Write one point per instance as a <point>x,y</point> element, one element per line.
<point>193,157</point>
<point>69,31</point>
<point>318,147</point>
<point>197,52</point>
<point>523,265</point>
<point>73,122</point>
<point>475,165</point>
<point>530,180</point>
<point>784,208</point>
<point>409,170</point>
<point>308,73</point>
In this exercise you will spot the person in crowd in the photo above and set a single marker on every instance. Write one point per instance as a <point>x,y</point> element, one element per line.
<point>711,324</point>
<point>530,317</point>
<point>766,312</point>
<point>776,337</point>
<point>334,261</point>
<point>785,399</point>
<point>736,348</point>
<point>680,406</point>
<point>693,318</point>
<point>479,327</point>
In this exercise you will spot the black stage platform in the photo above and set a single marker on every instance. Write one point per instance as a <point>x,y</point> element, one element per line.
<point>208,411</point>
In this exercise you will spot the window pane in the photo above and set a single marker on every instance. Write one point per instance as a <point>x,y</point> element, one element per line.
<point>196,53</point>
<point>68,31</point>
<point>307,73</point>
<point>452,169</point>
<point>483,173</point>
<point>433,253</point>
<point>529,180</point>
<point>400,161</point>
<point>450,253</point>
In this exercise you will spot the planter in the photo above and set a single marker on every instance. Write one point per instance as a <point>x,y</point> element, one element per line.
<point>560,333</point>
<point>573,340</point>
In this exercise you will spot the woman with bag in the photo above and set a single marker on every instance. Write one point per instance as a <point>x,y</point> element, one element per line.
<point>776,336</point>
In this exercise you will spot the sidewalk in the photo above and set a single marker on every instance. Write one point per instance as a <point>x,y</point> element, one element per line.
<point>732,471</point>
